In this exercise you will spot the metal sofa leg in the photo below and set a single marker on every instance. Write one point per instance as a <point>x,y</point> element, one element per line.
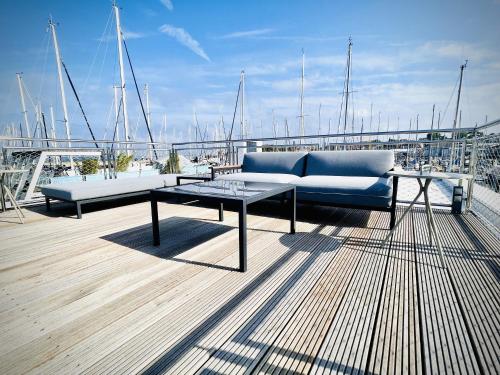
<point>395,181</point>
<point>78,210</point>
<point>47,203</point>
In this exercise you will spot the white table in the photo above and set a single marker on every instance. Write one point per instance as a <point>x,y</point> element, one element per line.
<point>5,188</point>
<point>427,177</point>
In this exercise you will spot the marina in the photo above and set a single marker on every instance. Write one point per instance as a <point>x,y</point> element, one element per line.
<point>245,197</point>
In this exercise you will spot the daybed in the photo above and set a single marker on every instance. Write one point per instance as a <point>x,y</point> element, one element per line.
<point>81,193</point>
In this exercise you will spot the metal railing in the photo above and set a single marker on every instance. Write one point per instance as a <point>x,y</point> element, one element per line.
<point>474,150</point>
<point>82,162</point>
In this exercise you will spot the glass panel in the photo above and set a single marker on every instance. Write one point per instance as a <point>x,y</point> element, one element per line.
<point>236,189</point>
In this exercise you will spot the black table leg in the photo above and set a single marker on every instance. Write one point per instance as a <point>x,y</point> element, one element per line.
<point>242,212</point>
<point>293,210</point>
<point>221,212</point>
<point>154,219</point>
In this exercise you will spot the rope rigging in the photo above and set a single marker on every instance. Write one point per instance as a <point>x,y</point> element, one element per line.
<point>79,104</point>
<point>449,100</point>
<point>116,123</point>
<point>234,114</point>
<point>101,40</point>
<point>140,100</point>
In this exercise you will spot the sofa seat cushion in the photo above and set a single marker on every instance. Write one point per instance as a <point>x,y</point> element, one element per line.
<point>75,191</point>
<point>367,163</point>
<point>348,190</point>
<point>274,162</point>
<point>259,177</point>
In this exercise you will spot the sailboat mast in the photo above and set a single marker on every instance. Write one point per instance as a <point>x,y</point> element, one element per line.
<point>53,126</point>
<point>61,85</point>
<point>347,83</point>
<point>302,127</point>
<point>319,119</point>
<point>119,36</point>
<point>148,116</point>
<point>23,106</point>
<point>243,129</point>
<point>462,67</point>
<point>432,133</point>
<point>165,129</point>
<point>452,154</point>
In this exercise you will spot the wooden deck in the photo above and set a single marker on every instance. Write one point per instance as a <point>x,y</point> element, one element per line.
<point>93,295</point>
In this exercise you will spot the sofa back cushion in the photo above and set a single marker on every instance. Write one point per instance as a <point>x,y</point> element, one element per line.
<point>349,163</point>
<point>274,162</point>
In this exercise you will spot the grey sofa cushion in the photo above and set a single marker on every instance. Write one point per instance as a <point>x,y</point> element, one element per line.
<point>259,177</point>
<point>274,162</point>
<point>358,191</point>
<point>349,163</point>
<point>75,191</point>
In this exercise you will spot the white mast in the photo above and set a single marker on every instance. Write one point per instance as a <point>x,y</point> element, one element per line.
<point>164,136</point>
<point>122,73</point>
<point>454,136</point>
<point>347,85</point>
<point>61,85</point>
<point>117,134</point>
<point>53,126</point>
<point>148,116</point>
<point>319,119</point>
<point>38,121</point>
<point>23,107</point>
<point>302,128</point>
<point>243,129</point>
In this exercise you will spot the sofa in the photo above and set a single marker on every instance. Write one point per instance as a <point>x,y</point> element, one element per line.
<point>354,179</point>
<point>81,193</point>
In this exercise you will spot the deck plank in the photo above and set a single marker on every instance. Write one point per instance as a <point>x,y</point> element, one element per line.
<point>472,268</point>
<point>396,346</point>
<point>447,347</point>
<point>94,296</point>
<point>251,346</point>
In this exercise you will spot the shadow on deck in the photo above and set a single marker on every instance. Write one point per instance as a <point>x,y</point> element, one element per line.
<point>328,298</point>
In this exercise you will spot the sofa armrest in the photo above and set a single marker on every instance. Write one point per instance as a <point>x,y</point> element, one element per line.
<point>224,168</point>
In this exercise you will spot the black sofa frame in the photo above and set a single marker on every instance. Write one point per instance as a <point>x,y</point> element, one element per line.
<point>79,203</point>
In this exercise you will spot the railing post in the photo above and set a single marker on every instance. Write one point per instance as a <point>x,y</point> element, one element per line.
<point>462,157</point>
<point>472,171</point>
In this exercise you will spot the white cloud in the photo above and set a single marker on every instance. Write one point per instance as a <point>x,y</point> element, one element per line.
<point>168,4</point>
<point>127,34</point>
<point>183,37</point>
<point>455,50</point>
<point>247,34</point>
<point>133,34</point>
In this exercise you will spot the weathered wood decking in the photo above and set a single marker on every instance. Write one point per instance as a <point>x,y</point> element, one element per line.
<point>94,296</point>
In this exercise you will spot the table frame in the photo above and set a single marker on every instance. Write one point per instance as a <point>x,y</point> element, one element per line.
<point>5,191</point>
<point>193,177</point>
<point>431,223</point>
<point>240,204</point>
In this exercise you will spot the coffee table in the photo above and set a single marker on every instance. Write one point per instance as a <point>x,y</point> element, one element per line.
<point>235,195</point>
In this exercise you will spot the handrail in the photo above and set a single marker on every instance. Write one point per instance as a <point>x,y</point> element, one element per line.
<point>346,135</point>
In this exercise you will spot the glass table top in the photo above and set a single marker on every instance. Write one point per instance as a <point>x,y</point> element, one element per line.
<point>229,189</point>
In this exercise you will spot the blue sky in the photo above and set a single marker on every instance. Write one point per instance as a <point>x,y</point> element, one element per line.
<point>406,57</point>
